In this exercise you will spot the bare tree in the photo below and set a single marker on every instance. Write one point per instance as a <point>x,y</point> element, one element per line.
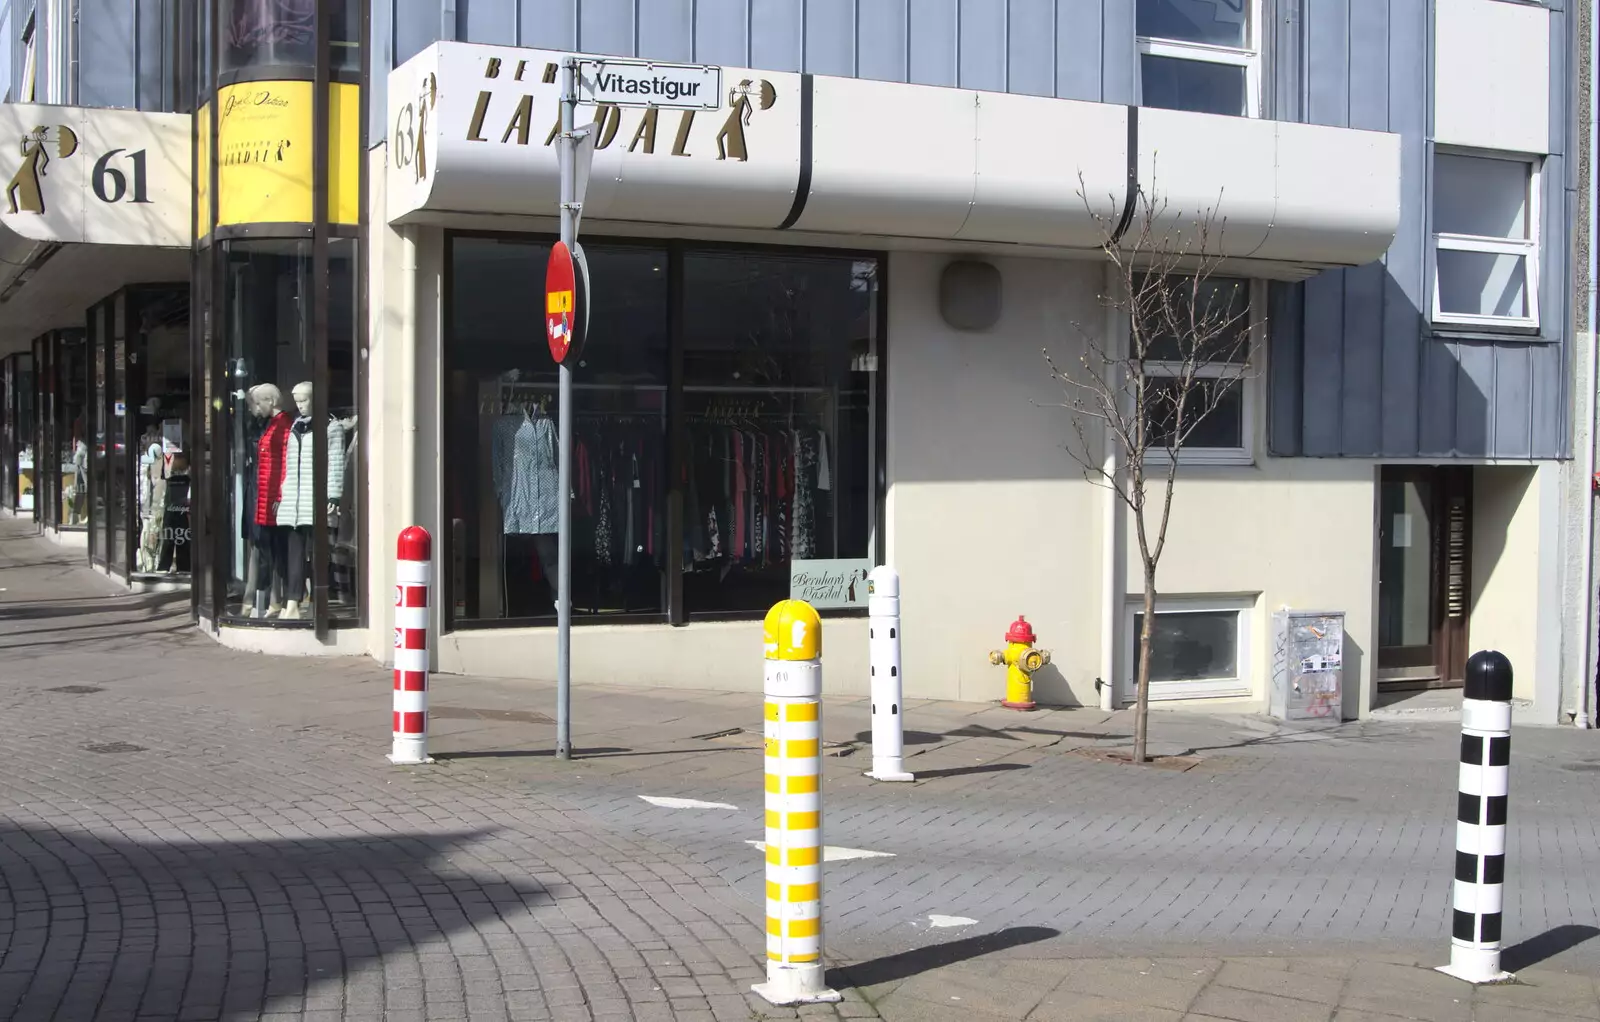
<point>1189,346</point>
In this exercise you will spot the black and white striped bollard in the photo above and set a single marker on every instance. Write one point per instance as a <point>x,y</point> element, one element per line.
<point>1481,821</point>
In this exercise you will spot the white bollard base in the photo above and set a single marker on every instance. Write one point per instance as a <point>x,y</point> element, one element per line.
<point>409,752</point>
<point>889,769</point>
<point>796,984</point>
<point>1476,966</point>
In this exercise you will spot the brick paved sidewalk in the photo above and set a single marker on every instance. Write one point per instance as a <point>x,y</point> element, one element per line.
<point>213,834</point>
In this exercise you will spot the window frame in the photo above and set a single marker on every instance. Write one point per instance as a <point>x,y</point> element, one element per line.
<point>30,58</point>
<point>1248,57</point>
<point>1240,685</point>
<point>1248,384</point>
<point>1528,248</point>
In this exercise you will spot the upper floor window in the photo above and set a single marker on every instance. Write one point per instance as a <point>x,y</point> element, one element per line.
<point>1199,363</point>
<point>1485,240</point>
<point>1201,55</point>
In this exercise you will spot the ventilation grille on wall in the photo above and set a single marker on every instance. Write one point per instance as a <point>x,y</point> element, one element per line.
<point>1456,559</point>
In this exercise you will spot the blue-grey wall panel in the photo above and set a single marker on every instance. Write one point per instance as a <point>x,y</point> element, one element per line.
<point>722,32</point>
<point>486,21</point>
<point>777,34</point>
<point>982,46</point>
<point>1404,302</point>
<point>549,25</point>
<point>1551,429</point>
<point>881,42</point>
<point>1513,399</point>
<point>934,46</point>
<point>416,26</point>
<point>1079,49</point>
<point>154,61</point>
<point>1119,54</point>
<point>1357,370</point>
<point>831,37</point>
<point>1361,424</point>
<point>666,29</point>
<point>1474,397</point>
<point>1327,63</point>
<point>107,37</point>
<point>608,26</point>
<point>1323,360</point>
<point>1030,48</point>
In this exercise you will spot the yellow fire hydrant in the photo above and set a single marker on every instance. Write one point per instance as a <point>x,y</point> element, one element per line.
<point>1020,660</point>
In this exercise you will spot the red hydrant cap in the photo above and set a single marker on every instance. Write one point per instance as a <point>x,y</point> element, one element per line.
<point>1020,631</point>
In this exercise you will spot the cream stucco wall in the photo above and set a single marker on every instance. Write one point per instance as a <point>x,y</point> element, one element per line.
<point>988,516</point>
<point>1288,532</point>
<point>1516,592</point>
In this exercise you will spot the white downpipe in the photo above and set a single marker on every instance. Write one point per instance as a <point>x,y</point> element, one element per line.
<point>1591,390</point>
<point>405,353</point>
<point>1111,516</point>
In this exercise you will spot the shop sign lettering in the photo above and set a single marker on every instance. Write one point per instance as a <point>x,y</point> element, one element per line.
<point>507,119</point>
<point>834,583</point>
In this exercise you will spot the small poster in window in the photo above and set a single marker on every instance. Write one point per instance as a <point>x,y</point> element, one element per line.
<point>830,584</point>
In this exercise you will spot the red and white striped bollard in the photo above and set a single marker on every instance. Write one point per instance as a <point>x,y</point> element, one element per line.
<point>413,575</point>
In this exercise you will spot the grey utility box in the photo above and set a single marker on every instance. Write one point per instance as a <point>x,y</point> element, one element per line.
<point>1307,666</point>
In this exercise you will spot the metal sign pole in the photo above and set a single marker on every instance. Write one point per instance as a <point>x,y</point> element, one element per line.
<point>569,232</point>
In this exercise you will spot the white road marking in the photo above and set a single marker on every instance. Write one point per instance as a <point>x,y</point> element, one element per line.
<point>833,853</point>
<point>940,922</point>
<point>666,802</point>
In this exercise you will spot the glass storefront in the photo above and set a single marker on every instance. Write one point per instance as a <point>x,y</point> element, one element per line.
<point>278,500</point>
<point>17,433</point>
<point>725,436</point>
<point>61,445</point>
<point>139,467</point>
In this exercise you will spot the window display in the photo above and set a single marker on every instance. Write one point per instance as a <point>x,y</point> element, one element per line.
<point>501,416</point>
<point>774,417</point>
<point>71,435</point>
<point>17,439</point>
<point>273,471</point>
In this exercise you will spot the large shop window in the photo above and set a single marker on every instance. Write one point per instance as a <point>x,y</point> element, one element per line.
<point>270,471</point>
<point>1200,55</point>
<point>723,434</point>
<point>1199,648</point>
<point>1486,241</point>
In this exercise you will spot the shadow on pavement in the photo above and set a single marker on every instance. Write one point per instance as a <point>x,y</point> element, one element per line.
<point>98,927</point>
<point>523,753</point>
<point>982,768</point>
<point>1545,946</point>
<point>936,956</point>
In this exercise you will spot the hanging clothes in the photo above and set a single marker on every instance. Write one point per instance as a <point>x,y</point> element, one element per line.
<point>523,454</point>
<point>270,450</point>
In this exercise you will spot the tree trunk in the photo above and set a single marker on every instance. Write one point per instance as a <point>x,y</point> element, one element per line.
<point>1141,713</point>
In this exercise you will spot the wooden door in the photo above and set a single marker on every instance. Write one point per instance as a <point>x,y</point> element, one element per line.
<point>1424,575</point>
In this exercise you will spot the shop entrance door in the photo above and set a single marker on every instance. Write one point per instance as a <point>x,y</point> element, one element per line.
<point>1424,575</point>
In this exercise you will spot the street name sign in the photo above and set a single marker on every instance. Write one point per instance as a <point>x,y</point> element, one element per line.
<point>646,83</point>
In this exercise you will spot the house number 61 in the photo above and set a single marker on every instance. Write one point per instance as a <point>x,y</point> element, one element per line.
<point>111,184</point>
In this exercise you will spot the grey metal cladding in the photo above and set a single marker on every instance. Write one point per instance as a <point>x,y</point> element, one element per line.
<point>1077,49</point>
<point>1354,368</point>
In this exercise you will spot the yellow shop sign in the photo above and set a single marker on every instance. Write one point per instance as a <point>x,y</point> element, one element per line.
<point>264,153</point>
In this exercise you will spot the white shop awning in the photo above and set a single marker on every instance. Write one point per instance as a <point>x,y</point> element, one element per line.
<point>89,193</point>
<point>860,161</point>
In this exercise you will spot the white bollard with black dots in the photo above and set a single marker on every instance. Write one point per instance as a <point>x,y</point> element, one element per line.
<point>883,653</point>
<point>1475,931</point>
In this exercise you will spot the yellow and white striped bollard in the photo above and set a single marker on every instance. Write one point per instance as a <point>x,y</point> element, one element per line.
<point>793,712</point>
